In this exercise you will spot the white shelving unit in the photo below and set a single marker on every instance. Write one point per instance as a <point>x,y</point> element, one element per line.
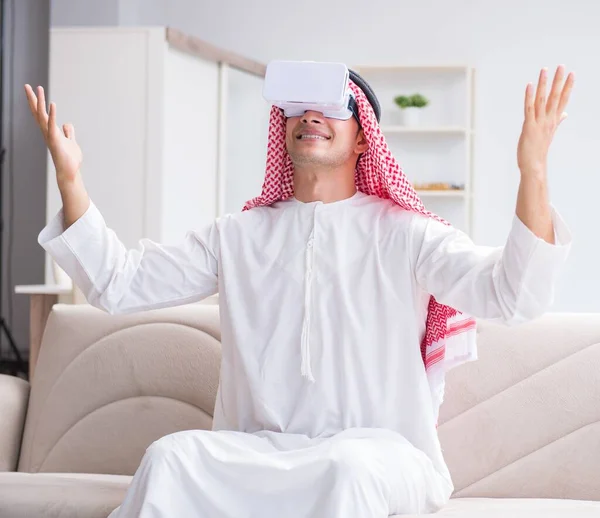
<point>440,148</point>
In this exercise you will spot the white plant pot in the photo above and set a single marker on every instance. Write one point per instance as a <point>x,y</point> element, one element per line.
<point>410,116</point>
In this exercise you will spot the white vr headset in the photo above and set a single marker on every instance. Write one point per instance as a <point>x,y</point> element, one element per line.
<point>300,86</point>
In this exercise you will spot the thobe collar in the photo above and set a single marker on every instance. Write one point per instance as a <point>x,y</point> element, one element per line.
<point>358,195</point>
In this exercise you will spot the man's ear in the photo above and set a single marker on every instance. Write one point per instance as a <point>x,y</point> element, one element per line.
<point>361,142</point>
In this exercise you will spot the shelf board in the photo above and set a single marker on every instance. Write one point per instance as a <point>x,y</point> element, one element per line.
<point>439,130</point>
<point>43,289</point>
<point>456,193</point>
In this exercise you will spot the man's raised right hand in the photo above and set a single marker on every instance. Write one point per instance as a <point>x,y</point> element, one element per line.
<point>66,153</point>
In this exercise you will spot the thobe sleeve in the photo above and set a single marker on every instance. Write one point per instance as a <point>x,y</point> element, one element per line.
<point>512,284</point>
<point>118,280</point>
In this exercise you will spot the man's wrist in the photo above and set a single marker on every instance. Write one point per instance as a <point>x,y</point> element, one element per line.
<point>535,174</point>
<point>71,186</point>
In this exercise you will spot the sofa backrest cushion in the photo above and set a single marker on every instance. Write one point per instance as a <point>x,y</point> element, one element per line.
<point>106,387</point>
<point>524,420</point>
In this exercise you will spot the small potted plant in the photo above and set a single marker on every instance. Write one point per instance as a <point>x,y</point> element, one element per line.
<point>410,107</point>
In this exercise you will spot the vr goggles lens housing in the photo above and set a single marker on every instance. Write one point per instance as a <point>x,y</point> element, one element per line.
<point>343,112</point>
<point>300,86</point>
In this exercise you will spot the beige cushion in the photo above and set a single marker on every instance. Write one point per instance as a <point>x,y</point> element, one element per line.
<point>108,386</point>
<point>14,393</point>
<point>523,421</point>
<point>516,508</point>
<point>24,495</point>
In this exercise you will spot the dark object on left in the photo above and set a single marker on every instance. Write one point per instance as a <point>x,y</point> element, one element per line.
<point>18,365</point>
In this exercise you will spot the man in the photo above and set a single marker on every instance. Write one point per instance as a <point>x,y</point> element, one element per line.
<point>341,305</point>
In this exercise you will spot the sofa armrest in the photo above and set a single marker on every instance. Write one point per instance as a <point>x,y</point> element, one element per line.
<point>14,395</point>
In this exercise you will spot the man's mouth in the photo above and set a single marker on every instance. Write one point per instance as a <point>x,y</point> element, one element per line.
<point>312,136</point>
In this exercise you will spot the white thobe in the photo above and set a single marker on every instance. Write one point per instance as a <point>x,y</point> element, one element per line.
<point>323,407</point>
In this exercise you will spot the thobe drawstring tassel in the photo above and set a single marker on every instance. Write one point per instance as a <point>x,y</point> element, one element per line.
<point>305,368</point>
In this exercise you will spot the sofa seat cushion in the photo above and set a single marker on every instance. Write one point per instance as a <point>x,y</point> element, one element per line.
<point>60,495</point>
<point>75,495</point>
<point>516,508</point>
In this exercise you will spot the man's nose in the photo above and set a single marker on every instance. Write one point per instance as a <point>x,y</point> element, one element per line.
<point>312,116</point>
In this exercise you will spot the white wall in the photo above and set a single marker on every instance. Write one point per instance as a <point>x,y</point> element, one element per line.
<point>508,42</point>
<point>131,12</point>
<point>84,12</point>
<point>106,12</point>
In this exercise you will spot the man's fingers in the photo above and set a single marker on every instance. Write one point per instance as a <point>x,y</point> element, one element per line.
<point>42,116</point>
<point>31,100</point>
<point>540,97</point>
<point>41,105</point>
<point>69,131</point>
<point>529,108</point>
<point>52,120</point>
<point>556,89</point>
<point>566,93</point>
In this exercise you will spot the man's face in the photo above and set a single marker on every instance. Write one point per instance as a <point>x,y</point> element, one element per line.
<point>313,139</point>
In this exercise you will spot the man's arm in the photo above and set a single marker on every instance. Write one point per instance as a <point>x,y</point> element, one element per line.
<point>118,280</point>
<point>514,283</point>
<point>511,284</point>
<point>542,118</point>
<point>111,277</point>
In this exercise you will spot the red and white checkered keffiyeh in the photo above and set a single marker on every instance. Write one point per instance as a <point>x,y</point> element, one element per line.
<point>449,336</point>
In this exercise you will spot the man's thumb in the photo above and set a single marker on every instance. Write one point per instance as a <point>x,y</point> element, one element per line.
<point>69,131</point>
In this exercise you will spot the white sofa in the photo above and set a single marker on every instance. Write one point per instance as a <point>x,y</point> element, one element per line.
<point>520,428</point>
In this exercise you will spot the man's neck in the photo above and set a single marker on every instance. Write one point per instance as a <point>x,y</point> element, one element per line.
<point>324,186</point>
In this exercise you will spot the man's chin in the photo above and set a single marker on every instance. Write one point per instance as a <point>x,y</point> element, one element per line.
<point>309,156</point>
<point>313,149</point>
